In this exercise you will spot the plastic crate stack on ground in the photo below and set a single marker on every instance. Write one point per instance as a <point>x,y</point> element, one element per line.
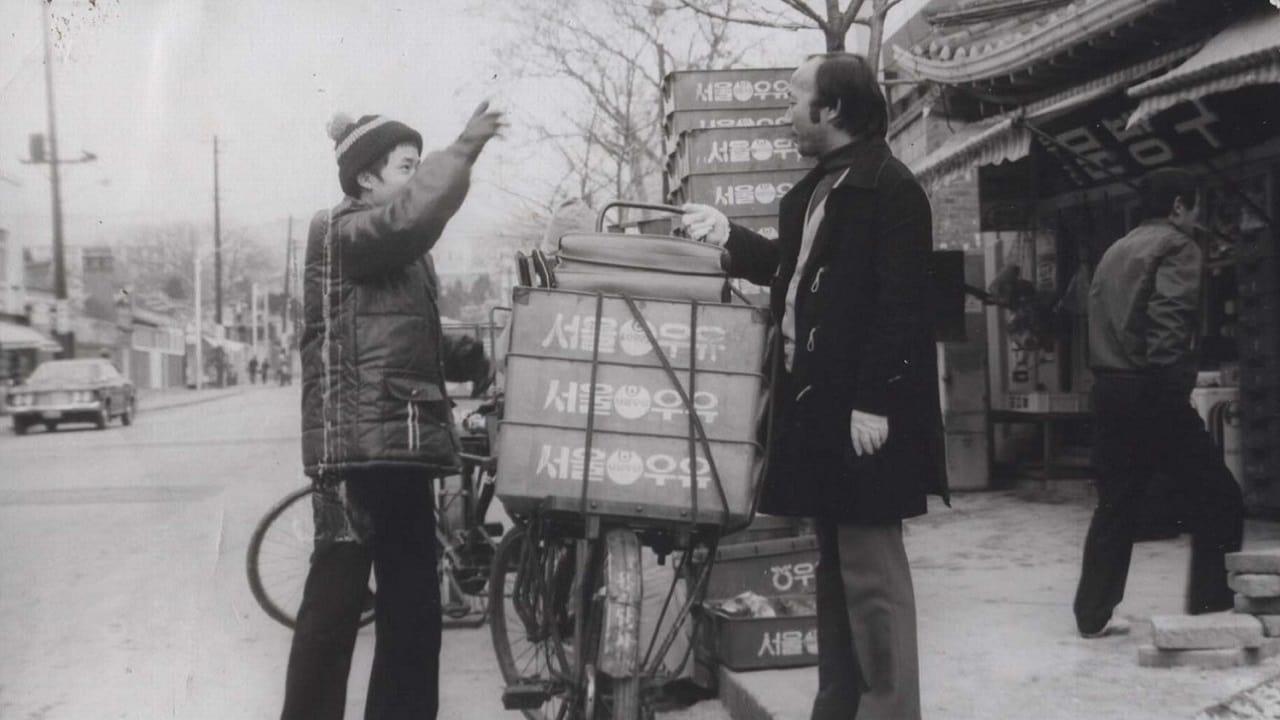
<point>730,145</point>
<point>1258,336</point>
<point>642,458</point>
<point>760,607</point>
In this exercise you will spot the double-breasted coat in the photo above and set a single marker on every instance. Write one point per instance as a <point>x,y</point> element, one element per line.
<point>863,340</point>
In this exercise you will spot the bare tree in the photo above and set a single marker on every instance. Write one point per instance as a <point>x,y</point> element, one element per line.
<point>832,21</point>
<point>609,57</point>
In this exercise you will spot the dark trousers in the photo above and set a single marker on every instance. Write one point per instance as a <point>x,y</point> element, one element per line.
<point>393,513</point>
<point>1147,429</point>
<point>867,657</point>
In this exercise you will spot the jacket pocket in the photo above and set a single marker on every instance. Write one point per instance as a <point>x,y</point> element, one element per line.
<point>419,403</point>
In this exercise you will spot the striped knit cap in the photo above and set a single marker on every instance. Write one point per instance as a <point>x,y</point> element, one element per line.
<point>360,143</point>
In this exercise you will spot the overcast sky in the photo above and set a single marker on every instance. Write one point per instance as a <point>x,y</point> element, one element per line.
<point>145,85</point>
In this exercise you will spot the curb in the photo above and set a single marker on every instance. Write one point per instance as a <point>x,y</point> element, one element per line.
<point>186,401</point>
<point>738,700</point>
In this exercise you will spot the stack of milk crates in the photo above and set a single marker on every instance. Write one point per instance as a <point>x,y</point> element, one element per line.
<point>630,460</point>
<point>730,146</point>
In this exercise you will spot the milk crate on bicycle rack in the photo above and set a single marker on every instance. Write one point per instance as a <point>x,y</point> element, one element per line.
<point>585,379</point>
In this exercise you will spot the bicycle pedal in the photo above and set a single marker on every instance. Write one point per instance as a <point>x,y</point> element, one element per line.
<point>529,696</point>
<point>493,529</point>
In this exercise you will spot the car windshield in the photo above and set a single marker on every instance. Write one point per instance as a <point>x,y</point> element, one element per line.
<point>67,372</point>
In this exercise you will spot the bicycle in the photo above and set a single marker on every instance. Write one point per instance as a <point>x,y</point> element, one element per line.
<point>280,549</point>
<point>566,583</point>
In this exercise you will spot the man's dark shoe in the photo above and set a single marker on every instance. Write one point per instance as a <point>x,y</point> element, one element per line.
<point>1112,628</point>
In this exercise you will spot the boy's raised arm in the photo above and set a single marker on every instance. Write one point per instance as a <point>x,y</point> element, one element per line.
<point>384,238</point>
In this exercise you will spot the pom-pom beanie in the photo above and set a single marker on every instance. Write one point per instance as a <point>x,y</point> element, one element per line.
<point>359,143</point>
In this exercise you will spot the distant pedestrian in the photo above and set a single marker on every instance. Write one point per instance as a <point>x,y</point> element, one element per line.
<point>253,370</point>
<point>376,423</point>
<point>857,439</point>
<point>1144,313</point>
<point>266,368</point>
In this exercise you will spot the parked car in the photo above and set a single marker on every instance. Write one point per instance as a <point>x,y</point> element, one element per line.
<point>61,391</point>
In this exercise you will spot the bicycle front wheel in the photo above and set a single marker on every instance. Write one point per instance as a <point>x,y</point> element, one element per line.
<point>279,558</point>
<point>530,622</point>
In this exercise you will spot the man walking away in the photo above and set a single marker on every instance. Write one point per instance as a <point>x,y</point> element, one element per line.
<point>376,421</point>
<point>858,431</point>
<point>1144,316</point>
<point>253,370</point>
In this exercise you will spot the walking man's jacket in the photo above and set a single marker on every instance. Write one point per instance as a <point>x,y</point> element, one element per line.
<point>1144,305</point>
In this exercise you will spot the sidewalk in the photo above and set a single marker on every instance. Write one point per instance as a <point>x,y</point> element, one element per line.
<point>149,399</point>
<point>994,578</point>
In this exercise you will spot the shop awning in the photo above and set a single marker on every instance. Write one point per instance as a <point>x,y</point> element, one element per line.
<point>21,337</point>
<point>1245,53</point>
<point>1005,139</point>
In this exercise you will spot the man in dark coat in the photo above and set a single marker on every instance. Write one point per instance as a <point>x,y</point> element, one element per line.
<point>376,421</point>
<point>1144,317</point>
<point>858,429</point>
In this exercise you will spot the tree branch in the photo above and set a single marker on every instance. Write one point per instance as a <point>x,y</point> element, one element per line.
<point>742,20</point>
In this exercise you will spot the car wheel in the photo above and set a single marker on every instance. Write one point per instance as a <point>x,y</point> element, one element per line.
<point>20,426</point>
<point>126,417</point>
<point>50,425</point>
<point>104,416</point>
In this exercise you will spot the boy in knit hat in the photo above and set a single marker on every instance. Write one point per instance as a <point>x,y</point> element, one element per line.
<point>376,421</point>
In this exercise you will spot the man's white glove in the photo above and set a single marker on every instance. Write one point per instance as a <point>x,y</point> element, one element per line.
<point>869,432</point>
<point>705,223</point>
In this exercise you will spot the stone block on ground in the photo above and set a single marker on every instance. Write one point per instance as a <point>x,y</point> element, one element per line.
<point>1255,561</point>
<point>1270,625</point>
<point>1217,659</point>
<point>1255,585</point>
<point>1257,606</point>
<point>1206,632</point>
<point>1151,656</point>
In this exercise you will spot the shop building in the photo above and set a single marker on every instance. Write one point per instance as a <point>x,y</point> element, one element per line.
<point>1029,122</point>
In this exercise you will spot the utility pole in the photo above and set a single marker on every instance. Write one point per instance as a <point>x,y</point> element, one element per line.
<point>285,328</point>
<point>217,240</point>
<point>61,329</point>
<point>199,319</point>
<point>217,266</point>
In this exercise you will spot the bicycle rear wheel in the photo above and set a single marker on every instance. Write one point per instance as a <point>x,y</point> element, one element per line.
<point>279,558</point>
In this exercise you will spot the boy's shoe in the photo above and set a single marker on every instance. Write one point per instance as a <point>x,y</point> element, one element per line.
<point>1112,628</point>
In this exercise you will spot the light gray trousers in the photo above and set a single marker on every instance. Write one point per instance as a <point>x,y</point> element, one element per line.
<point>868,666</point>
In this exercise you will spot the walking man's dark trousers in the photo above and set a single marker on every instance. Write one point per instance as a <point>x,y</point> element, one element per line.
<point>400,545</point>
<point>1148,431</point>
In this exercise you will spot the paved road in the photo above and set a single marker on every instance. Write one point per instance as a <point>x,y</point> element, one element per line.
<point>122,590</point>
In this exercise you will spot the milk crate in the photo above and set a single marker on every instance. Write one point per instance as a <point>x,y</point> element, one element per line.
<point>561,324</point>
<point>751,643</point>
<point>771,568</point>
<point>738,195</point>
<point>557,392</point>
<point>738,89</point>
<point>736,150</point>
<point>682,121</point>
<point>632,476</point>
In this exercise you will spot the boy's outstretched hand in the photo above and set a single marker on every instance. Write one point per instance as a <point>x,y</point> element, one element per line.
<point>483,125</point>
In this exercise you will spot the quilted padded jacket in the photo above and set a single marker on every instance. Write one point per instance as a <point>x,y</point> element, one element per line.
<point>372,369</point>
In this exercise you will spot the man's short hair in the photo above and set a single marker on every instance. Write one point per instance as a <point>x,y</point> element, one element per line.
<point>844,82</point>
<point>1158,190</point>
